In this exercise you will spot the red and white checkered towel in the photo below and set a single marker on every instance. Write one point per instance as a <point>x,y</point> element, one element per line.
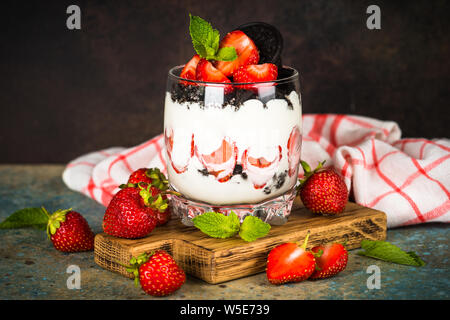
<point>408,179</point>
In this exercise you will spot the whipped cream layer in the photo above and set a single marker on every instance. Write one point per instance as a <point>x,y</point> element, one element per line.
<point>224,155</point>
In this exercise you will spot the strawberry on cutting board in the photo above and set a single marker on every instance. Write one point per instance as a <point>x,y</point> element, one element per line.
<point>132,212</point>
<point>158,273</point>
<point>152,176</point>
<point>290,262</point>
<point>330,260</point>
<point>323,190</point>
<point>246,50</point>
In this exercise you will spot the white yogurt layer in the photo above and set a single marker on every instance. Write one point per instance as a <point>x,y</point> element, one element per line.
<point>254,131</point>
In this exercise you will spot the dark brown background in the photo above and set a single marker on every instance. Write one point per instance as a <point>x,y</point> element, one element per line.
<point>65,93</point>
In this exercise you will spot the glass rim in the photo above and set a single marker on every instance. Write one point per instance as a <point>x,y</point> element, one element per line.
<point>292,77</point>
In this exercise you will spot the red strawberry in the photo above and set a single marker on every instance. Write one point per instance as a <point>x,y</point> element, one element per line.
<point>256,73</point>
<point>323,190</point>
<point>155,181</point>
<point>289,262</point>
<point>158,273</point>
<point>189,70</point>
<point>208,73</point>
<point>152,176</point>
<point>330,260</point>
<point>140,175</point>
<point>246,50</point>
<point>69,231</point>
<point>132,213</point>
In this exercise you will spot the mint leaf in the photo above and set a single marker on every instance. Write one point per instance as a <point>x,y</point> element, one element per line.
<point>253,228</point>
<point>217,225</point>
<point>226,54</point>
<point>25,218</point>
<point>199,48</point>
<point>199,29</point>
<point>206,40</point>
<point>386,251</point>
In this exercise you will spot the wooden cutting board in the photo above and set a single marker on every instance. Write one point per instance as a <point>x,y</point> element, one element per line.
<point>220,260</point>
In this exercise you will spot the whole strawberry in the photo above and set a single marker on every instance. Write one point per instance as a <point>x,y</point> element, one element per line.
<point>158,273</point>
<point>330,260</point>
<point>69,231</point>
<point>323,190</point>
<point>131,213</point>
<point>158,183</point>
<point>152,176</point>
<point>290,262</point>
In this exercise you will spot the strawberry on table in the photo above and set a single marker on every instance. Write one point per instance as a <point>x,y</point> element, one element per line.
<point>158,273</point>
<point>67,229</point>
<point>323,190</point>
<point>330,260</point>
<point>246,50</point>
<point>289,262</point>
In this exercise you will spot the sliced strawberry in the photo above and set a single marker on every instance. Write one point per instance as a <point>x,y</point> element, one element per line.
<point>332,260</point>
<point>208,73</point>
<point>294,148</point>
<point>246,50</point>
<point>221,162</point>
<point>168,138</point>
<point>189,70</point>
<point>260,170</point>
<point>256,73</point>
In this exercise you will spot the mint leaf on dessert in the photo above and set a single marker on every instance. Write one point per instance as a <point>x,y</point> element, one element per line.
<point>253,228</point>
<point>200,30</point>
<point>217,225</point>
<point>226,54</point>
<point>29,217</point>
<point>206,40</point>
<point>386,251</point>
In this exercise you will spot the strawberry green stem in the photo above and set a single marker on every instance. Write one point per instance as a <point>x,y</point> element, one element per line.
<point>305,241</point>
<point>135,264</point>
<point>54,220</point>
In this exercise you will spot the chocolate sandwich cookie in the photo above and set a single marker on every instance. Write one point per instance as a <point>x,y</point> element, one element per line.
<point>268,40</point>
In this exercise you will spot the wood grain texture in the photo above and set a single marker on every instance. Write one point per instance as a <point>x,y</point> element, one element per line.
<point>220,260</point>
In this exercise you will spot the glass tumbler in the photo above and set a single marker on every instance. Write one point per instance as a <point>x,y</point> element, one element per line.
<point>233,146</point>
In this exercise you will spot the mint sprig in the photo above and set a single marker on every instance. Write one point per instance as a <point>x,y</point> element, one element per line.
<point>36,218</point>
<point>386,251</point>
<point>205,40</point>
<point>217,225</point>
<point>253,228</point>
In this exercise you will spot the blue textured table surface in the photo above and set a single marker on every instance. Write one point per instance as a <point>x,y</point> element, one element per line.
<point>31,268</point>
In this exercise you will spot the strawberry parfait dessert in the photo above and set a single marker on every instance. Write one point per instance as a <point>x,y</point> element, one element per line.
<point>232,125</point>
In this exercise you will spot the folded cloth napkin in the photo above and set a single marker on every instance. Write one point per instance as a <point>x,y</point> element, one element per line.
<point>408,179</point>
